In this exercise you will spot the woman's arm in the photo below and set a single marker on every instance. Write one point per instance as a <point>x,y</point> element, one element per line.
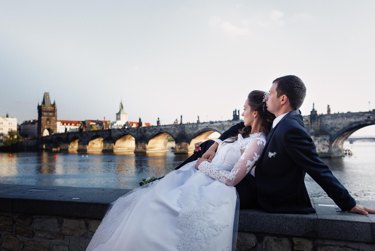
<point>240,170</point>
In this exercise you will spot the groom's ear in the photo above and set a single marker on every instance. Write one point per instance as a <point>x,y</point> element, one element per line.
<point>284,99</point>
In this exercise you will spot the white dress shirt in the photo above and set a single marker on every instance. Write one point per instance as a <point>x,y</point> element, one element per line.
<point>277,120</point>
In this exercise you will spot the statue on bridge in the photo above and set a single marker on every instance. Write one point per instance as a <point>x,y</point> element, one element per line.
<point>236,115</point>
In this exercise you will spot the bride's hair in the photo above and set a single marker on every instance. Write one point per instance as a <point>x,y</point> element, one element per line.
<point>256,101</point>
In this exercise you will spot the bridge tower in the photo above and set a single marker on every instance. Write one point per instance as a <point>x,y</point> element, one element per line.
<point>47,117</point>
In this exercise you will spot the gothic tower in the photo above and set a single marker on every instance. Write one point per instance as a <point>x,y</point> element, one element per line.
<point>121,115</point>
<point>47,117</point>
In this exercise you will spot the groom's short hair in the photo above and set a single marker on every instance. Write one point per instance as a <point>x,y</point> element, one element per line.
<point>293,87</point>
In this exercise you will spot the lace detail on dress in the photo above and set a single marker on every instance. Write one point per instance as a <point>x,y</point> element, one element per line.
<point>253,150</point>
<point>118,211</point>
<point>217,174</point>
<point>198,230</point>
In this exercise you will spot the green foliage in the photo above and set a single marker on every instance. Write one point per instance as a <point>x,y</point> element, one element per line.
<point>170,138</point>
<point>93,128</point>
<point>148,180</point>
<point>12,138</point>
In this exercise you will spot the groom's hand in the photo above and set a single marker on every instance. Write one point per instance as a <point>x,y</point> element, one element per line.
<point>197,147</point>
<point>358,209</point>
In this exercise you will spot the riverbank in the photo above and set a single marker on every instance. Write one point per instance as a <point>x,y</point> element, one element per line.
<point>65,218</point>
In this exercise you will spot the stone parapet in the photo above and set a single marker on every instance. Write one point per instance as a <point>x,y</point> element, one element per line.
<point>65,218</point>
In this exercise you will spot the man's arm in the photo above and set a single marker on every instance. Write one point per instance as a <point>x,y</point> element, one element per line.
<point>301,149</point>
<point>231,132</point>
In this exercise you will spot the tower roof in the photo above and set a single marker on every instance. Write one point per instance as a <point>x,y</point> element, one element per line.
<point>121,111</point>
<point>46,100</point>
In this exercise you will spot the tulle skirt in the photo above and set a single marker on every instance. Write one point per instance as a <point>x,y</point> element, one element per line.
<point>186,210</point>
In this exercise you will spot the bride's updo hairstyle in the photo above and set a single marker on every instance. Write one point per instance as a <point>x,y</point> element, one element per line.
<point>256,101</point>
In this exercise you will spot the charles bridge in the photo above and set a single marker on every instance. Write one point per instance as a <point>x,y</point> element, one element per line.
<point>139,139</point>
<point>328,131</point>
<point>354,139</point>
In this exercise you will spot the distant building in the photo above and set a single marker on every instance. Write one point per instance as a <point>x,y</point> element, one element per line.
<point>89,125</point>
<point>6,124</point>
<point>29,128</point>
<point>68,126</point>
<point>47,117</point>
<point>236,115</point>
<point>122,120</point>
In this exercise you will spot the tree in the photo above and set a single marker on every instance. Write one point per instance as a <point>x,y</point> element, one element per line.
<point>12,138</point>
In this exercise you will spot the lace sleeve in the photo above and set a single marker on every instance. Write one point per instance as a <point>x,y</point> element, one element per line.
<point>251,154</point>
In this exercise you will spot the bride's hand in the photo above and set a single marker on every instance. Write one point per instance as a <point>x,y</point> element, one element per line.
<point>200,160</point>
<point>209,154</point>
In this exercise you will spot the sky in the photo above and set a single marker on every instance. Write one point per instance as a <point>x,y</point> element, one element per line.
<point>165,59</point>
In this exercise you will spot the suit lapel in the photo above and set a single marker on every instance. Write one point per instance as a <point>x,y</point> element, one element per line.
<point>272,132</point>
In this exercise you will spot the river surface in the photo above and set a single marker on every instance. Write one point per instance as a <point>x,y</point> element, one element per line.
<point>356,173</point>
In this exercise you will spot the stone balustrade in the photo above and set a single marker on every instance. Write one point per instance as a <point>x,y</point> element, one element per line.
<point>65,218</point>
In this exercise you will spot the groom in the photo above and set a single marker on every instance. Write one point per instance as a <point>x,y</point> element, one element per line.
<point>278,185</point>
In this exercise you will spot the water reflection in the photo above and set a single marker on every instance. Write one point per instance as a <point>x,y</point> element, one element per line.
<point>126,170</point>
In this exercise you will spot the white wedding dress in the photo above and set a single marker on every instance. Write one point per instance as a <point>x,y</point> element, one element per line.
<point>187,209</point>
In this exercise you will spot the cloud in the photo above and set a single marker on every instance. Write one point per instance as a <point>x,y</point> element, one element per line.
<point>257,23</point>
<point>234,30</point>
<point>228,27</point>
<point>276,18</point>
<point>276,15</point>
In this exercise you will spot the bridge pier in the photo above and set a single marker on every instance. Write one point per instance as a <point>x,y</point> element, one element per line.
<point>81,148</point>
<point>108,147</point>
<point>64,147</point>
<point>140,147</point>
<point>181,147</point>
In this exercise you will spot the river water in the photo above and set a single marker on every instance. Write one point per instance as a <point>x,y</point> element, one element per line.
<point>356,173</point>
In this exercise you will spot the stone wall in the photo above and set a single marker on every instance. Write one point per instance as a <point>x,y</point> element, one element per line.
<point>65,219</point>
<point>21,232</point>
<point>45,233</point>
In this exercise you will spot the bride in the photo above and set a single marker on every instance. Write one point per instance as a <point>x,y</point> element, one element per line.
<point>189,209</point>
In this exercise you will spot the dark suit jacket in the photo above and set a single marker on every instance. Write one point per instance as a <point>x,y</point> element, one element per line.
<point>279,178</point>
<point>231,132</point>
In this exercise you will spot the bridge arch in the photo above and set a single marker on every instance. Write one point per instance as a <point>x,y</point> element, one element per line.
<point>73,144</point>
<point>95,144</point>
<point>47,132</point>
<point>125,143</point>
<point>158,142</point>
<point>338,139</point>
<point>201,136</point>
